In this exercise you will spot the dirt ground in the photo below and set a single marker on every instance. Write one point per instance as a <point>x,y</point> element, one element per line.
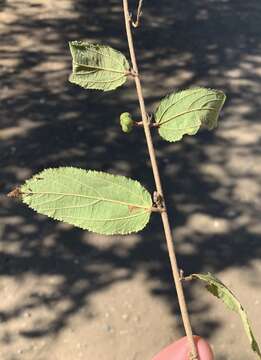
<point>68,294</point>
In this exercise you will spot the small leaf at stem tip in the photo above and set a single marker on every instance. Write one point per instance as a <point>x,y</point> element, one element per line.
<point>97,67</point>
<point>96,201</point>
<point>222,292</point>
<point>185,112</point>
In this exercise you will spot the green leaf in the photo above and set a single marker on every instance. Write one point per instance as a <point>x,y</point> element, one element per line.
<point>186,111</point>
<point>97,66</point>
<point>218,289</point>
<point>97,201</point>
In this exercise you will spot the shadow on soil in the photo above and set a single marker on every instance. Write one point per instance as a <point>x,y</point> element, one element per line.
<point>47,122</point>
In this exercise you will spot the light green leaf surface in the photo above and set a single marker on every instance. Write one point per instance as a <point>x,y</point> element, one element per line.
<point>97,66</point>
<point>97,201</point>
<point>218,289</point>
<point>186,111</point>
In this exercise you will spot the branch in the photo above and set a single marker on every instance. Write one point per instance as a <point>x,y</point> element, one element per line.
<point>139,15</point>
<point>164,214</point>
<point>151,124</point>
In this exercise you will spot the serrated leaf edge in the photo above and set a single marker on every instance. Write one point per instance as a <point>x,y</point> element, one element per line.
<point>196,127</point>
<point>180,92</point>
<point>123,73</point>
<point>147,210</point>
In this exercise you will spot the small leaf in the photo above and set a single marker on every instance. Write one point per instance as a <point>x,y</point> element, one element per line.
<point>97,201</point>
<point>186,111</point>
<point>97,66</point>
<point>218,289</point>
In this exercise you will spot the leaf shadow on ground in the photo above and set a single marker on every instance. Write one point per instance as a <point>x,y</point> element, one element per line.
<point>212,180</point>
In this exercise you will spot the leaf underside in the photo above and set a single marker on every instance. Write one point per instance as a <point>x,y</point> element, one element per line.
<point>186,111</point>
<point>97,67</point>
<point>221,291</point>
<point>92,200</point>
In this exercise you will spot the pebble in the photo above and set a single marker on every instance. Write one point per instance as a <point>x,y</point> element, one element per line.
<point>27,314</point>
<point>109,328</point>
<point>125,316</point>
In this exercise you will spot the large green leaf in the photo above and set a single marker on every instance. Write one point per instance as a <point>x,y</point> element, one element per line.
<point>97,66</point>
<point>97,201</point>
<point>218,289</point>
<point>186,111</point>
